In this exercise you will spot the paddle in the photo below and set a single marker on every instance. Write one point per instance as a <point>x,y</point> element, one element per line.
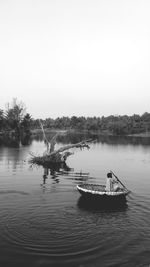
<point>120,182</point>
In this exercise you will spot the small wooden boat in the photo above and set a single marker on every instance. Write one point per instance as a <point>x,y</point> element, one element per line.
<point>99,191</point>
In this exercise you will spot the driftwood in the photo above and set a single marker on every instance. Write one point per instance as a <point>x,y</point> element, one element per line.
<point>51,156</point>
<point>60,155</point>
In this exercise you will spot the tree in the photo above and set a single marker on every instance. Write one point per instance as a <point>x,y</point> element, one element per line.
<point>1,119</point>
<point>73,122</point>
<point>17,120</point>
<point>52,156</point>
<point>14,115</point>
<point>118,128</point>
<point>146,117</point>
<point>26,123</point>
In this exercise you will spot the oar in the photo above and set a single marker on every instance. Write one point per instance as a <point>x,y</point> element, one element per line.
<point>120,181</point>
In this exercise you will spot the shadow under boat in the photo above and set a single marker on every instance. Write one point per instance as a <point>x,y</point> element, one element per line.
<point>105,204</point>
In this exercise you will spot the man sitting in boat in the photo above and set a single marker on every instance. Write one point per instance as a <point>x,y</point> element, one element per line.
<point>111,183</point>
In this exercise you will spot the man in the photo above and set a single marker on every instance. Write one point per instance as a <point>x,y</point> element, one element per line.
<point>111,183</point>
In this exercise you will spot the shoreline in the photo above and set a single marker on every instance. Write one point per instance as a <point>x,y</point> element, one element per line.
<point>104,133</point>
<point>37,131</point>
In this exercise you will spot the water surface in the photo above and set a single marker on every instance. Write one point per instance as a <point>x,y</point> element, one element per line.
<point>44,222</point>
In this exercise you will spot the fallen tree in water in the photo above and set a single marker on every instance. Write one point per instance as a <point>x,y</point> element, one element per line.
<point>52,156</point>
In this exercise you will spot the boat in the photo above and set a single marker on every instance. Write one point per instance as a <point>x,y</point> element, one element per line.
<point>96,191</point>
<point>99,190</point>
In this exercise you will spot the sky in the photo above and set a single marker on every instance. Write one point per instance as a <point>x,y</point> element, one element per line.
<point>75,57</point>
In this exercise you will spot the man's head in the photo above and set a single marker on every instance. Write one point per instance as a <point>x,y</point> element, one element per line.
<point>109,175</point>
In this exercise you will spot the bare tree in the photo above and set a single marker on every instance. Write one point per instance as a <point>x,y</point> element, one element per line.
<point>57,156</point>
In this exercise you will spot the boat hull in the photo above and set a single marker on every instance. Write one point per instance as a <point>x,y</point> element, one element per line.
<point>98,192</point>
<point>105,198</point>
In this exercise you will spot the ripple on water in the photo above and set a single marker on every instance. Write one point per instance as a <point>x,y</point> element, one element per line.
<point>37,231</point>
<point>2,192</point>
<point>140,208</point>
<point>80,232</point>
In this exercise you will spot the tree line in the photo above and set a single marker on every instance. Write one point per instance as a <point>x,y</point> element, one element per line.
<point>116,125</point>
<point>16,120</point>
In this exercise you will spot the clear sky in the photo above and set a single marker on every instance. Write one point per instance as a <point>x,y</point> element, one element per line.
<point>75,57</point>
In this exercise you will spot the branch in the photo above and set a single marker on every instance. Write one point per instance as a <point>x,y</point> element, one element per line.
<point>53,143</point>
<point>45,139</point>
<point>49,143</point>
<point>80,145</point>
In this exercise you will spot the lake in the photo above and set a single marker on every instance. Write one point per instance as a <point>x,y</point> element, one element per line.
<point>45,222</point>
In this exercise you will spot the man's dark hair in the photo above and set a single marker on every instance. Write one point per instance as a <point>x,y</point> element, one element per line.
<point>109,175</point>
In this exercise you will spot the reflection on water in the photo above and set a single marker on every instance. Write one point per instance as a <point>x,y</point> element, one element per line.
<point>12,140</point>
<point>75,137</point>
<point>45,222</point>
<point>54,171</point>
<point>62,169</point>
<point>101,206</point>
